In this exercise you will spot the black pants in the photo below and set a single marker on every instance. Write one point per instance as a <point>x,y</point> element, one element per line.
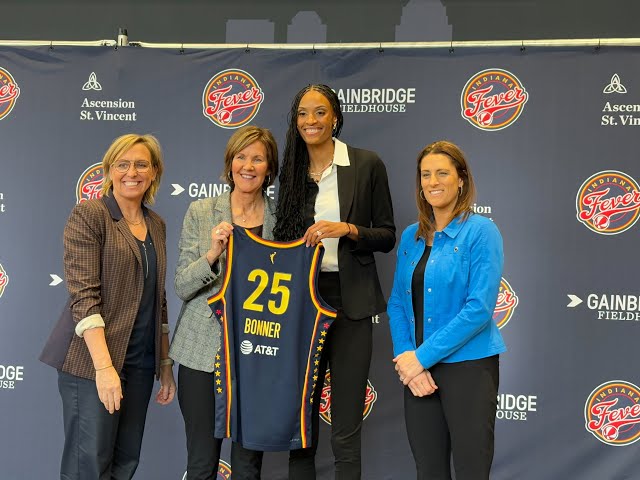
<point>197,404</point>
<point>99,445</point>
<point>458,418</point>
<point>348,355</point>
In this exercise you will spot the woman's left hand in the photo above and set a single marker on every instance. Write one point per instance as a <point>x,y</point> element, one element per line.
<point>167,386</point>
<point>325,229</point>
<point>408,366</point>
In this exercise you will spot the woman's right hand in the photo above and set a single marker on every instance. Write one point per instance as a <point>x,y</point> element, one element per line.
<point>109,388</point>
<point>422,384</point>
<point>219,239</point>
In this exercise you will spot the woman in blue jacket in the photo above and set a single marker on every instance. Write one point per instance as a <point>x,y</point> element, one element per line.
<point>445,342</point>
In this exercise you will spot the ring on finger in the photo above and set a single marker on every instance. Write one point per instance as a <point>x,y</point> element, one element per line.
<point>318,233</point>
<point>218,232</point>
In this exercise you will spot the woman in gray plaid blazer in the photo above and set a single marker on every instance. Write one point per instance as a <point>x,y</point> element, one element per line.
<point>250,166</point>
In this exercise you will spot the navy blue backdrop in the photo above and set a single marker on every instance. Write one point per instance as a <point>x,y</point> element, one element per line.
<point>551,135</point>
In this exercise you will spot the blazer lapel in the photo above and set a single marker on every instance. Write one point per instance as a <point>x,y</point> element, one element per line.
<point>346,188</point>
<point>123,228</point>
<point>222,208</point>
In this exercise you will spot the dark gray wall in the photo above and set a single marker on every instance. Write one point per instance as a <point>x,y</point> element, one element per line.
<point>304,21</point>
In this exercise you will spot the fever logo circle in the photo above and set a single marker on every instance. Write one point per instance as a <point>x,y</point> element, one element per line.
<point>612,413</point>
<point>493,99</point>
<point>505,305</point>
<point>231,98</point>
<point>608,202</point>
<point>9,93</point>
<point>4,280</point>
<point>325,400</point>
<point>89,183</point>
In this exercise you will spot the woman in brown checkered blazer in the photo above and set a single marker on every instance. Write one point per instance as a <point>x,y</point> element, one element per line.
<point>112,338</point>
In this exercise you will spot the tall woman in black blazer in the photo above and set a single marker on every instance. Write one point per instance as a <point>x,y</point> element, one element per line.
<point>337,194</point>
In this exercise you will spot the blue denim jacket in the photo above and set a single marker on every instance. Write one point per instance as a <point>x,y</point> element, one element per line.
<point>461,282</point>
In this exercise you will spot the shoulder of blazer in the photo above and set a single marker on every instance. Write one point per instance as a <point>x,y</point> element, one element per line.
<point>94,214</point>
<point>361,155</point>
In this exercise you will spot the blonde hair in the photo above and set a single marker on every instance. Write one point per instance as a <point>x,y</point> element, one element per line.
<point>119,146</point>
<point>426,221</point>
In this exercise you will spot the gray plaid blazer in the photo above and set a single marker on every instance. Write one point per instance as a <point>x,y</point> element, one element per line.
<point>103,273</point>
<point>196,338</point>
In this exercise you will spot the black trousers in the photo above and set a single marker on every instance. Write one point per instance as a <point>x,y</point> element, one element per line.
<point>459,419</point>
<point>197,404</point>
<point>99,445</point>
<point>347,352</point>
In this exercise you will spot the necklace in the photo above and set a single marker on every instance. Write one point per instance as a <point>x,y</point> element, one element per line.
<point>318,174</point>
<point>243,213</point>
<point>133,223</point>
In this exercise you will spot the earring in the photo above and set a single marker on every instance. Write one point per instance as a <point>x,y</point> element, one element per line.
<point>230,178</point>
<point>267,182</point>
<point>421,194</point>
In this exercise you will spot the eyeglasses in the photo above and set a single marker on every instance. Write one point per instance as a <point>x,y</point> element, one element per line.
<point>141,166</point>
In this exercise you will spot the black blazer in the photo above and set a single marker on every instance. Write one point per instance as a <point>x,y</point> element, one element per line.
<point>365,201</point>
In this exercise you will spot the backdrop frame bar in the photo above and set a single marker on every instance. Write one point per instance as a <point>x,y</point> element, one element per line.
<point>549,43</point>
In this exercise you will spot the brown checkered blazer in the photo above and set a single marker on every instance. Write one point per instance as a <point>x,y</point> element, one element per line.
<point>103,272</point>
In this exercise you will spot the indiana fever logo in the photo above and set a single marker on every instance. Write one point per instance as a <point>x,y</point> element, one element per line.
<point>223,471</point>
<point>231,98</point>
<point>9,93</point>
<point>608,202</point>
<point>325,400</point>
<point>493,99</point>
<point>612,413</point>
<point>505,305</point>
<point>89,183</point>
<point>4,280</point>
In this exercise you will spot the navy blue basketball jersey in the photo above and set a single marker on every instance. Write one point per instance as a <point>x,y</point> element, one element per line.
<point>274,327</point>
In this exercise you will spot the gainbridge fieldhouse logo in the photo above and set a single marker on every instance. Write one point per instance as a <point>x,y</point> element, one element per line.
<point>231,98</point>
<point>505,305</point>
<point>608,202</point>
<point>325,400</point>
<point>89,183</point>
<point>493,99</point>
<point>9,93</point>
<point>223,471</point>
<point>612,413</point>
<point>4,280</point>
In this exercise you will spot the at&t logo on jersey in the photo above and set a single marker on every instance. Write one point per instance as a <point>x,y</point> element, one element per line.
<point>9,93</point>
<point>505,305</point>
<point>493,99</point>
<point>247,348</point>
<point>89,183</point>
<point>612,413</point>
<point>608,202</point>
<point>325,400</point>
<point>231,98</point>
<point>4,280</point>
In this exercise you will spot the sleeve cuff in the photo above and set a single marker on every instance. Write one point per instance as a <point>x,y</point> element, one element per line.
<point>165,328</point>
<point>92,321</point>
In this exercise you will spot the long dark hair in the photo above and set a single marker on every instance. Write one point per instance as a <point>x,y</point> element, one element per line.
<point>292,192</point>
